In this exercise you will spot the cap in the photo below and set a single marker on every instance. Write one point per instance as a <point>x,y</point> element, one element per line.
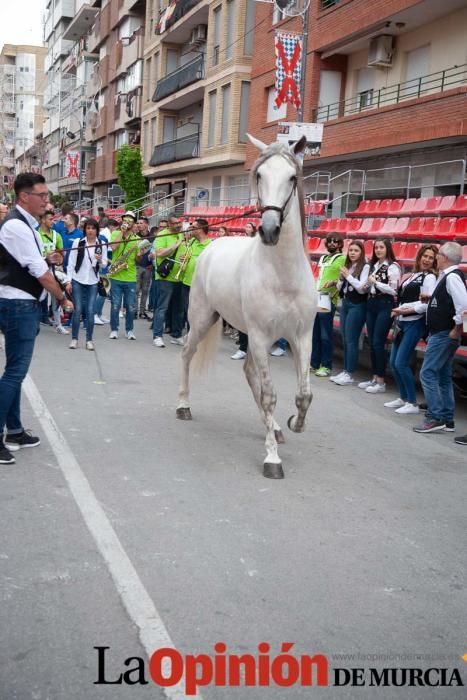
<point>130,214</point>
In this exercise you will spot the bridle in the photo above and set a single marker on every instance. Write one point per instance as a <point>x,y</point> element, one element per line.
<point>271,207</point>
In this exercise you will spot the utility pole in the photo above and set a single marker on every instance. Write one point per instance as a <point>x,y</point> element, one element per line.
<point>304,59</point>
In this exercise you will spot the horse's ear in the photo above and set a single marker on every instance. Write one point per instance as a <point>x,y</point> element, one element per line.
<point>299,147</point>
<point>256,142</point>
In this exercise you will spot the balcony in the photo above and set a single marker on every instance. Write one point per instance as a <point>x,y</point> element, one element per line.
<point>9,107</point>
<point>410,90</point>
<point>133,51</point>
<point>180,78</point>
<point>181,149</point>
<point>82,22</point>
<point>101,169</point>
<point>63,8</point>
<point>48,26</point>
<point>8,162</point>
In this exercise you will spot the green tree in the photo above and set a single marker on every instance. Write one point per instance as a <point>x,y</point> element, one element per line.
<point>130,176</point>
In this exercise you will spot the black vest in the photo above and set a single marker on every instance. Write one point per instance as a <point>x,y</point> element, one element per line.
<point>11,272</point>
<point>348,292</point>
<point>441,310</point>
<point>410,293</point>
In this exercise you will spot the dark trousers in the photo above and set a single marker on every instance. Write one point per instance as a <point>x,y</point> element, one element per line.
<point>165,292</point>
<point>378,324</point>
<point>19,322</point>
<point>323,346</point>
<point>243,341</point>
<point>352,318</point>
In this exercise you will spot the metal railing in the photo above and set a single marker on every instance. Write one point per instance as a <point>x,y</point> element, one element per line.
<point>325,4</point>
<point>393,94</point>
<point>180,78</point>
<point>180,149</point>
<point>404,179</point>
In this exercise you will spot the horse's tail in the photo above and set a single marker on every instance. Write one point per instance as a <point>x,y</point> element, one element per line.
<point>207,349</point>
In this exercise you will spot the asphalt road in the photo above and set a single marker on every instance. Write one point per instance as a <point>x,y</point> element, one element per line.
<point>128,528</point>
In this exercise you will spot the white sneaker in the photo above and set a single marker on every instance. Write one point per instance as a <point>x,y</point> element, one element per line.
<point>113,335</point>
<point>63,331</point>
<point>277,352</point>
<point>73,344</point>
<point>337,376</point>
<point>239,355</point>
<point>408,408</point>
<point>89,345</point>
<point>177,341</point>
<point>397,403</point>
<point>158,342</point>
<point>130,335</point>
<point>376,389</point>
<point>104,319</point>
<point>98,321</point>
<point>365,385</point>
<point>344,380</point>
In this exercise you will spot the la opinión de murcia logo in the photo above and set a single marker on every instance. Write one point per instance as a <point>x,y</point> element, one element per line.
<point>167,667</point>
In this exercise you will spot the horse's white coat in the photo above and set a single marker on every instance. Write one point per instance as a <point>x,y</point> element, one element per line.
<point>266,291</point>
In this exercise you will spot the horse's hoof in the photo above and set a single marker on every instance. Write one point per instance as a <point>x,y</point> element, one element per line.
<point>292,424</point>
<point>273,471</point>
<point>184,414</point>
<point>280,439</point>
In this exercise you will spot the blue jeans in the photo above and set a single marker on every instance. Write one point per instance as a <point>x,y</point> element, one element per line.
<point>401,354</point>
<point>127,292</point>
<point>378,324</point>
<point>352,318</point>
<point>19,322</point>
<point>84,299</point>
<point>323,346</point>
<point>165,291</point>
<point>99,305</point>
<point>436,376</point>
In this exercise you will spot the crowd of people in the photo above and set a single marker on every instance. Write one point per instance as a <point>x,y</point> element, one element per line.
<point>150,271</point>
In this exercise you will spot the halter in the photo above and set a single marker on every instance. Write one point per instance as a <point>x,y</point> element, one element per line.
<point>271,207</point>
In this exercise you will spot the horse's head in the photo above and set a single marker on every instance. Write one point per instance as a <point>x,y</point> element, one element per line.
<point>276,173</point>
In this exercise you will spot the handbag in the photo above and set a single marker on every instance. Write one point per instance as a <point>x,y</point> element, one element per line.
<point>101,289</point>
<point>165,267</point>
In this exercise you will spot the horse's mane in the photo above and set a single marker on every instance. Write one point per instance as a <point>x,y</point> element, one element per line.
<point>281,149</point>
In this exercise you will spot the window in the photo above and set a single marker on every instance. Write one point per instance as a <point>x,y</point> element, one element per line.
<point>244,107</point>
<point>365,83</point>
<point>329,94</point>
<point>225,113</point>
<point>169,129</point>
<point>153,132</point>
<point>238,190</point>
<point>147,142</point>
<point>249,26</point>
<point>217,35</point>
<point>172,61</point>
<point>149,88</point>
<point>231,10</point>
<point>216,190</point>
<point>273,113</point>
<point>212,97</point>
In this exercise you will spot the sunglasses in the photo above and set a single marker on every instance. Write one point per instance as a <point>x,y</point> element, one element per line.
<point>332,240</point>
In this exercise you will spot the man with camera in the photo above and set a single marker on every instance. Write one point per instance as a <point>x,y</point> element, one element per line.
<point>25,279</point>
<point>166,268</point>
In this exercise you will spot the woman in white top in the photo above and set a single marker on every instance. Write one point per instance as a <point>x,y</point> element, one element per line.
<point>88,255</point>
<point>354,294</point>
<point>382,286</point>
<point>414,293</point>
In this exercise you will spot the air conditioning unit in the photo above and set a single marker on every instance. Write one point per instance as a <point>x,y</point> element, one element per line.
<point>381,50</point>
<point>199,34</point>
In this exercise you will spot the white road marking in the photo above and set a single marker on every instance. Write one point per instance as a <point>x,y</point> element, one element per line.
<point>152,632</point>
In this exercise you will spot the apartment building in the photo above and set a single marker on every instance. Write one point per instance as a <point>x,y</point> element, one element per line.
<point>114,90</point>
<point>389,81</point>
<point>196,98</point>
<point>21,98</point>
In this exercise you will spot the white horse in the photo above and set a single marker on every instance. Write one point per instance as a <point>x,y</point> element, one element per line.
<point>262,286</point>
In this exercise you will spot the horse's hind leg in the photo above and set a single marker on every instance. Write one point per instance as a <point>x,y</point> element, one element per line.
<point>301,352</point>
<point>200,323</point>
<point>255,385</point>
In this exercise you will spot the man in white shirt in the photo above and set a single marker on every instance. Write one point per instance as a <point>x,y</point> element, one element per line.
<point>24,280</point>
<point>444,321</point>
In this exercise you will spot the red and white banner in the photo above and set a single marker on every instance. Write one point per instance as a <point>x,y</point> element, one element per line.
<point>72,164</point>
<point>288,68</point>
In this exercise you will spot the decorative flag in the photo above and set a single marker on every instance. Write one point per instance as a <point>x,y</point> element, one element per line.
<point>288,68</point>
<point>72,158</point>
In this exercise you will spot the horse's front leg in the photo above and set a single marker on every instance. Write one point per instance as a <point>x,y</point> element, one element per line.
<point>272,468</point>
<point>252,378</point>
<point>301,351</point>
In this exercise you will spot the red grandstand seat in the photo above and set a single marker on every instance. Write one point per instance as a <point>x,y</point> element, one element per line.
<point>383,207</point>
<point>461,225</point>
<point>322,247</point>
<point>373,206</point>
<point>399,248</point>
<point>376,226</point>
<point>368,246</point>
<point>460,206</point>
<point>370,226</point>
<point>396,206</point>
<point>314,268</point>
<point>464,253</point>
<point>390,207</point>
<point>407,207</point>
<point>401,225</point>
<point>313,244</point>
<point>410,252</point>
<point>447,205</point>
<point>447,228</point>
<point>345,247</point>
<point>361,210</point>
<point>415,227</point>
<point>432,205</point>
<point>343,225</point>
<point>325,225</point>
<point>419,205</point>
<point>431,226</point>
<point>389,227</point>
